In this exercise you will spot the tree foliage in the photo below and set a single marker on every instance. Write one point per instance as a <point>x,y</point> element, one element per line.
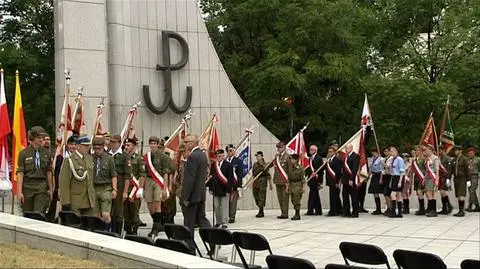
<point>407,55</point>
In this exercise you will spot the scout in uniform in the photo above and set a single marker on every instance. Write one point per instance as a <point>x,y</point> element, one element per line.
<point>459,173</point>
<point>124,174</point>
<point>34,174</point>
<point>432,178</point>
<point>474,166</point>
<point>105,179</point>
<point>407,184</point>
<point>237,167</point>
<point>386,177</point>
<point>77,192</point>
<point>259,187</point>
<point>296,184</point>
<point>418,177</point>
<point>156,166</point>
<point>444,187</point>
<point>280,178</point>
<point>132,204</point>
<point>397,170</point>
<point>375,187</point>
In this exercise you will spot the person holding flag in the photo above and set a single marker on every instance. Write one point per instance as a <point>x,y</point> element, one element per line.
<point>297,184</point>
<point>282,166</point>
<point>259,187</point>
<point>350,168</point>
<point>445,186</point>
<point>315,182</point>
<point>334,171</point>
<point>237,167</point>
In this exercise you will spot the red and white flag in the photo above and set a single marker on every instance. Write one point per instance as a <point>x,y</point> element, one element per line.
<point>172,145</point>
<point>79,115</point>
<point>5,129</point>
<point>355,140</point>
<point>366,125</point>
<point>128,130</point>
<point>297,146</point>
<point>210,140</point>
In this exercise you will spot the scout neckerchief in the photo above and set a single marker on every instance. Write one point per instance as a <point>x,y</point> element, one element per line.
<point>221,176</point>
<point>152,172</point>
<point>430,172</point>
<point>330,171</point>
<point>74,171</point>
<point>280,170</point>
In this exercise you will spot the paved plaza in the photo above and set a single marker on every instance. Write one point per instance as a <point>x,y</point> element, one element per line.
<point>317,238</point>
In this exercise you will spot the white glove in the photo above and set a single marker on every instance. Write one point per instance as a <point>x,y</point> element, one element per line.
<point>469,184</point>
<point>447,182</point>
<point>140,193</point>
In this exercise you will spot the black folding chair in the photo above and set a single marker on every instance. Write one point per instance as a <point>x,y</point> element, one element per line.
<point>342,266</point>
<point>363,253</point>
<point>175,245</point>
<point>284,262</point>
<point>112,234</point>
<point>182,233</point>
<point>470,264</point>
<point>139,239</point>
<point>220,237</point>
<point>70,218</point>
<point>252,242</point>
<point>34,215</point>
<point>408,259</point>
<point>93,223</point>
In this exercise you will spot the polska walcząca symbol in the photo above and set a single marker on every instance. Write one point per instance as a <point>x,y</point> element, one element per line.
<point>167,67</point>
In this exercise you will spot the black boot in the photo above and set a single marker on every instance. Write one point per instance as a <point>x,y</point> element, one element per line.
<point>444,210</point>
<point>433,208</point>
<point>406,206</point>
<point>469,208</point>
<point>378,209</point>
<point>162,219</point>
<point>156,224</point>
<point>421,207</point>
<point>393,209</point>
<point>461,213</point>
<point>297,215</point>
<point>362,208</point>
<point>260,213</point>
<point>477,208</point>
<point>400,210</point>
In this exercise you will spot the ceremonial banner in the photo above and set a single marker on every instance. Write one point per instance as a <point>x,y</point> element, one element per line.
<point>366,125</point>
<point>447,138</point>
<point>19,130</point>
<point>244,153</point>
<point>172,145</point>
<point>297,146</point>
<point>128,130</point>
<point>356,141</point>
<point>429,136</point>
<point>209,139</point>
<point>79,115</point>
<point>5,183</point>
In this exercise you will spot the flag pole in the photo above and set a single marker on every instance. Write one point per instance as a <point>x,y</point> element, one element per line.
<point>248,132</point>
<point>373,126</point>
<point>444,120</point>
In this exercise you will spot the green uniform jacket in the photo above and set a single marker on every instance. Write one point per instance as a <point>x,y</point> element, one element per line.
<point>459,168</point>
<point>296,179</point>
<point>474,165</point>
<point>138,167</point>
<point>264,177</point>
<point>79,193</point>
<point>26,165</point>
<point>284,159</point>
<point>162,163</point>
<point>106,169</point>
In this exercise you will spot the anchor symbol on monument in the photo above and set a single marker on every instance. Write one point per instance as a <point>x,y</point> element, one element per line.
<point>167,67</point>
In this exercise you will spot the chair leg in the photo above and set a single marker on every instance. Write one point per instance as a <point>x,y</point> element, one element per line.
<point>252,257</point>
<point>198,250</point>
<point>233,257</point>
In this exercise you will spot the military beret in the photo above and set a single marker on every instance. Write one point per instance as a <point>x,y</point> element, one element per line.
<point>295,156</point>
<point>153,139</point>
<point>83,140</point>
<point>98,141</point>
<point>229,146</point>
<point>132,140</point>
<point>259,153</point>
<point>72,139</point>
<point>36,131</point>
<point>280,144</point>
<point>219,151</point>
<point>473,149</point>
<point>116,138</point>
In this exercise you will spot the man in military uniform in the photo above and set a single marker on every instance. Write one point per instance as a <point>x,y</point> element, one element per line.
<point>124,174</point>
<point>131,205</point>
<point>77,192</point>
<point>296,184</point>
<point>444,185</point>
<point>459,173</point>
<point>156,183</point>
<point>259,187</point>
<point>418,177</point>
<point>237,166</point>
<point>432,178</point>
<point>34,174</point>
<point>474,166</point>
<point>105,180</point>
<point>282,166</point>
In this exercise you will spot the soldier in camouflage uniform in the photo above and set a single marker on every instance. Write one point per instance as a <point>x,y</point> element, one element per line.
<point>132,204</point>
<point>259,187</point>
<point>77,193</point>
<point>280,178</point>
<point>445,187</point>
<point>474,167</point>
<point>296,184</point>
<point>124,174</point>
<point>34,174</point>
<point>105,179</point>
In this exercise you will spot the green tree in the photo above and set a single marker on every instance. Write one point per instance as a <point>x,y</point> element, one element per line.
<point>27,45</point>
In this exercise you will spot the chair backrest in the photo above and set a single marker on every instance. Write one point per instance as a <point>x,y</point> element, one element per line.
<point>175,245</point>
<point>342,266</point>
<point>470,264</point>
<point>363,253</point>
<point>92,223</point>
<point>177,232</point>
<point>139,239</point>
<point>251,241</point>
<point>283,262</point>
<point>112,234</point>
<point>408,259</point>
<point>216,236</point>
<point>70,218</point>
<point>34,215</point>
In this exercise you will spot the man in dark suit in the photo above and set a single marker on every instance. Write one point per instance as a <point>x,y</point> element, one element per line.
<point>333,170</point>
<point>350,169</point>
<point>193,188</point>
<point>316,181</point>
<point>237,167</point>
<point>220,185</point>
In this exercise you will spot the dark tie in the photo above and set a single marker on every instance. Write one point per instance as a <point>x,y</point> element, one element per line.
<point>98,166</point>
<point>37,159</point>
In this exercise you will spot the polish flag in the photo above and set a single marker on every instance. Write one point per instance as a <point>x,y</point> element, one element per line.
<point>297,146</point>
<point>5,183</point>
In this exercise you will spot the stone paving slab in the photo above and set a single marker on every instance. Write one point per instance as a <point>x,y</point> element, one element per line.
<point>317,238</point>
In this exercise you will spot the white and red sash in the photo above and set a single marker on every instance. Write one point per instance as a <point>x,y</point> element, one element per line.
<point>221,176</point>
<point>330,171</point>
<point>418,172</point>
<point>152,172</point>
<point>280,170</point>
<point>346,167</point>
<point>136,186</point>
<point>311,165</point>
<point>431,173</point>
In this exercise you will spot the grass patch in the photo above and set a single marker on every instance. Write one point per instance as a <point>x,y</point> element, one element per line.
<point>21,256</point>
